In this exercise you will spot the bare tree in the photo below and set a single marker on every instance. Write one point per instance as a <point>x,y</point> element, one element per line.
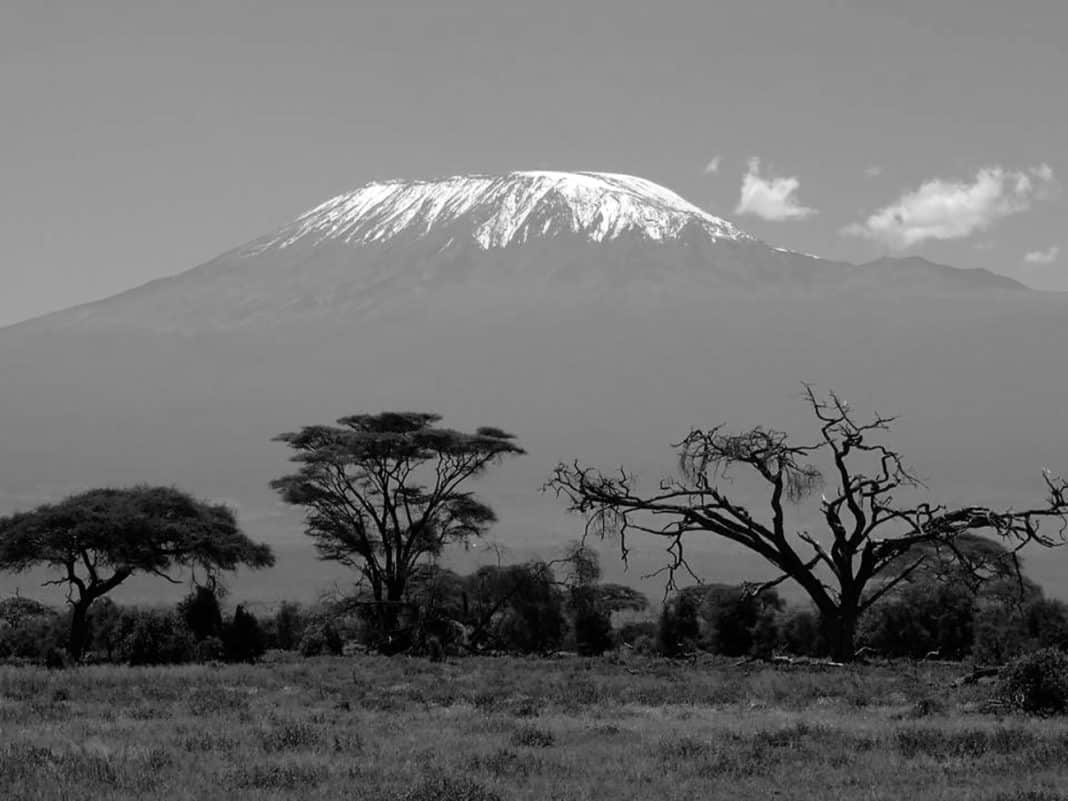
<point>868,532</point>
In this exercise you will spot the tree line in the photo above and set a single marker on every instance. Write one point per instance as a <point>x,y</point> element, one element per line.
<point>387,494</point>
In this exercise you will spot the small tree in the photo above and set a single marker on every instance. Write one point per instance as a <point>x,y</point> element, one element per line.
<point>289,625</point>
<point>868,529</point>
<point>516,607</point>
<point>201,613</point>
<point>98,539</point>
<point>384,493</point>
<point>243,639</point>
<point>591,603</point>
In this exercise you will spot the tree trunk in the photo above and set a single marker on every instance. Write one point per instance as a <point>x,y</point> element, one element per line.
<point>387,616</point>
<point>840,631</point>
<point>79,629</point>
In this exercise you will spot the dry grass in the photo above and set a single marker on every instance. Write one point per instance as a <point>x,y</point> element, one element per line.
<point>498,729</point>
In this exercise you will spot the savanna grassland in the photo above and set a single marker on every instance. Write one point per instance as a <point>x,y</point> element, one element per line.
<point>484,728</point>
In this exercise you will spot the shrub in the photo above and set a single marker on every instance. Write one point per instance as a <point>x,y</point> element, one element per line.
<point>243,639</point>
<point>634,631</point>
<point>288,627</point>
<point>290,735</point>
<point>30,631</point>
<point>593,631</point>
<point>105,629</point>
<point>321,639</point>
<point>1037,683</point>
<point>533,737</point>
<point>201,614</point>
<point>800,633</point>
<point>154,637</point>
<point>445,788</point>
<point>679,628</point>
<point>923,617</point>
<point>210,649</point>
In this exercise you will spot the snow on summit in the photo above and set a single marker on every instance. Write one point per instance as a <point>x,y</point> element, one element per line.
<point>497,211</point>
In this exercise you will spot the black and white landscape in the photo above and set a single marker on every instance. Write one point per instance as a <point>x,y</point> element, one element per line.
<point>570,400</point>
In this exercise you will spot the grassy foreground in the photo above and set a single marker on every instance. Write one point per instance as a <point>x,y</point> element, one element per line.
<point>480,729</point>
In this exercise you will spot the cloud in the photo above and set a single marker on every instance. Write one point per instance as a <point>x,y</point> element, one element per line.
<point>770,198</point>
<point>713,166</point>
<point>942,209</point>
<point>1047,256</point>
<point>874,171</point>
<point>1043,172</point>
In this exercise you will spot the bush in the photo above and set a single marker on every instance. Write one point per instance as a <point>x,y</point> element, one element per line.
<point>321,639</point>
<point>30,631</point>
<point>679,627</point>
<point>1037,683</point>
<point>923,617</point>
<point>800,633</point>
<point>154,637</point>
<point>105,629</point>
<point>288,627</point>
<point>593,627</point>
<point>446,788</point>
<point>529,616</point>
<point>210,649</point>
<point>201,614</point>
<point>243,639</point>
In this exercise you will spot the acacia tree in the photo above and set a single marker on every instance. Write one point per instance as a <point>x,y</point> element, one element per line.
<point>384,493</point>
<point>868,531</point>
<point>99,538</point>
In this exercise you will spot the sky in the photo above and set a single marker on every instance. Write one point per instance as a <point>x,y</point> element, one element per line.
<point>141,139</point>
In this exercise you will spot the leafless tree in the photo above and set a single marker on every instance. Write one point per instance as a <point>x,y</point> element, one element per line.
<point>872,541</point>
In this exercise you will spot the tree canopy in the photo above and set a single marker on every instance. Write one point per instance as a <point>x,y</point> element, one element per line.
<point>95,540</point>
<point>872,542</point>
<point>385,492</point>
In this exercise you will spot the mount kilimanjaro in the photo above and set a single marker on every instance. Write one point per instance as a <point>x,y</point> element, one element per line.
<point>598,316</point>
<point>548,233</point>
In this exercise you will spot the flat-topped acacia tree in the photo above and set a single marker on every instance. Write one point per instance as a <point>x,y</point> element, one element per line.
<point>873,539</point>
<point>97,539</point>
<point>384,493</point>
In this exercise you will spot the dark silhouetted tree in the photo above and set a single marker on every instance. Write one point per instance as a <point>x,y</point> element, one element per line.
<point>98,539</point>
<point>385,493</point>
<point>591,603</point>
<point>201,613</point>
<point>868,526</point>
<point>243,638</point>
<point>516,607</point>
<point>289,625</point>
<point>679,627</point>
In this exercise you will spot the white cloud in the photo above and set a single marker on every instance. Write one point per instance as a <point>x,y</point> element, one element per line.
<point>942,209</point>
<point>1043,172</point>
<point>713,166</point>
<point>1047,256</point>
<point>770,198</point>
<point>874,171</point>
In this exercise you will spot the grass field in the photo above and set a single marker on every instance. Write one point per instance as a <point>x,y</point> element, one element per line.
<point>479,729</point>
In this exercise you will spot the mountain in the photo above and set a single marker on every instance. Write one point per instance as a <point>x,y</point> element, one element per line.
<point>597,316</point>
<point>521,235</point>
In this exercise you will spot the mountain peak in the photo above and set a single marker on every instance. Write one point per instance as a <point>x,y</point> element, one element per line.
<point>498,211</point>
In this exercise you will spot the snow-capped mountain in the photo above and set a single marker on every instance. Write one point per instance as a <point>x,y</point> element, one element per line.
<point>483,240</point>
<point>498,211</point>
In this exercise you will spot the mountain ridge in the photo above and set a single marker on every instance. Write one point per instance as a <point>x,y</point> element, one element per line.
<point>523,233</point>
